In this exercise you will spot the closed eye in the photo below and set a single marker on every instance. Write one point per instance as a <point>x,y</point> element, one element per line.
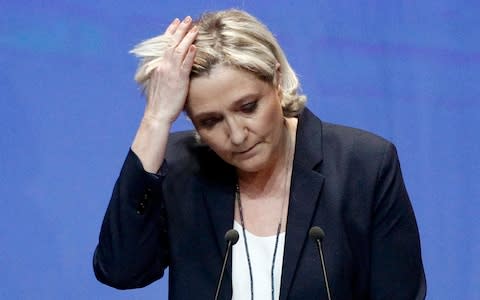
<point>209,122</point>
<point>249,107</point>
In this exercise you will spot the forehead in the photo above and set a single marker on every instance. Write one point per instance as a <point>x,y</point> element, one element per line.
<point>222,87</point>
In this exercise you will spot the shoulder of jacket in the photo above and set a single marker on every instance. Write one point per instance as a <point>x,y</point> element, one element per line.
<point>353,136</point>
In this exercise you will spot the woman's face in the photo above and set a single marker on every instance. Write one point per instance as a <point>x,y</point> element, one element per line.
<point>239,116</point>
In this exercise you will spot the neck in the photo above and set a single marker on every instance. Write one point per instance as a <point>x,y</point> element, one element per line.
<point>270,179</point>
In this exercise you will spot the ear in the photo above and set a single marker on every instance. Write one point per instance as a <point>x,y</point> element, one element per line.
<point>278,79</point>
<point>278,74</point>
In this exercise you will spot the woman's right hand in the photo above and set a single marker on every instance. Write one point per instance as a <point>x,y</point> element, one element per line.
<point>166,93</point>
<point>168,85</point>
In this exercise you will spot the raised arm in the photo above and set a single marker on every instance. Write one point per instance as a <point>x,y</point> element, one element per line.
<point>133,245</point>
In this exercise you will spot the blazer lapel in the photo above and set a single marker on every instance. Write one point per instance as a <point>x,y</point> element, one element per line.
<point>305,192</point>
<point>219,200</point>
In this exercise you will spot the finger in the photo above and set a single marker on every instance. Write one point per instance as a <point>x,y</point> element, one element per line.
<point>183,47</point>
<point>181,30</point>
<point>189,59</point>
<point>172,27</point>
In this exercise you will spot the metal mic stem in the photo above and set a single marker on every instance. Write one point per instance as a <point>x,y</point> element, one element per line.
<point>320,252</point>
<point>229,246</point>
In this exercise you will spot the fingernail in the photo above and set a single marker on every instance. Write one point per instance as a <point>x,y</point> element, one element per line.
<point>187,19</point>
<point>194,29</point>
<point>176,21</point>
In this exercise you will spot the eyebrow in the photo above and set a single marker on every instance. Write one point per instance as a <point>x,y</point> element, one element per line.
<point>208,114</point>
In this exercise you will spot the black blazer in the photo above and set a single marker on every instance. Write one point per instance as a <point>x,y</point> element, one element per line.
<point>345,180</point>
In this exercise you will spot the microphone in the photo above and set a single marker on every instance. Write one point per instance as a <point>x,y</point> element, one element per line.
<point>231,237</point>
<point>317,234</point>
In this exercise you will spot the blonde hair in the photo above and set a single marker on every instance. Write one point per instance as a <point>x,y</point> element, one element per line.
<point>232,38</point>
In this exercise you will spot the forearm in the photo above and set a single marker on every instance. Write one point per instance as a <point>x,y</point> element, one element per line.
<point>150,142</point>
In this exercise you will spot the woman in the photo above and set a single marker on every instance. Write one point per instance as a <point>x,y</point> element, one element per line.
<point>258,162</point>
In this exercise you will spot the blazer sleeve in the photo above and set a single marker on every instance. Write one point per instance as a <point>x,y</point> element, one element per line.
<point>132,250</point>
<point>396,263</point>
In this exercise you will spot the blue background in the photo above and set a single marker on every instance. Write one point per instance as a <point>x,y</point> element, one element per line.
<point>407,70</point>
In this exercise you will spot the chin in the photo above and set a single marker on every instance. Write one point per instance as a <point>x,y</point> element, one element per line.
<point>253,165</point>
<point>247,168</point>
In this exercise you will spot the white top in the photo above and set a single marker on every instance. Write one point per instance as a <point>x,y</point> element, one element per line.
<point>261,256</point>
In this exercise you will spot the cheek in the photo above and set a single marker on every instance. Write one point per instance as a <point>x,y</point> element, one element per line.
<point>214,139</point>
<point>272,117</point>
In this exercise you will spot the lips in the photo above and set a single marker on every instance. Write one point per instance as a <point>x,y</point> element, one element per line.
<point>247,151</point>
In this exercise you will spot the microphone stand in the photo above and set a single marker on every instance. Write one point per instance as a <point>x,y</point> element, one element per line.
<point>317,234</point>
<point>232,238</point>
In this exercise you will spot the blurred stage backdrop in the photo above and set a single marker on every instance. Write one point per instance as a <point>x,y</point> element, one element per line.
<point>407,70</point>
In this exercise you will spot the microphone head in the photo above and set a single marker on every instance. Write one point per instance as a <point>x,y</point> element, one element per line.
<point>231,236</point>
<point>316,233</point>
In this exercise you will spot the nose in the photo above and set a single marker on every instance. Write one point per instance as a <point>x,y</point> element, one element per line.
<point>237,131</point>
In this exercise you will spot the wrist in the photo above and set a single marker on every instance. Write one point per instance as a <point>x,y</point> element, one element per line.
<point>157,121</point>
